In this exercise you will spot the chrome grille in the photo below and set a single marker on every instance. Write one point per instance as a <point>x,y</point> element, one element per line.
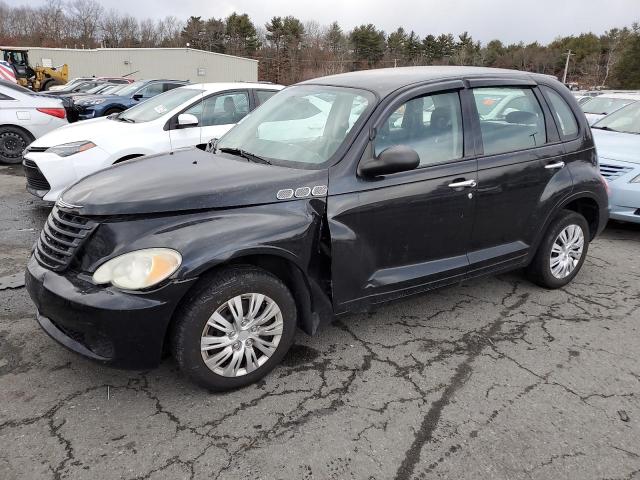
<point>60,239</point>
<point>611,172</point>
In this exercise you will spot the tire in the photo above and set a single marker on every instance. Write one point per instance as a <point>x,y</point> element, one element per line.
<point>555,265</point>
<point>112,111</point>
<point>46,86</point>
<point>13,141</point>
<point>231,339</point>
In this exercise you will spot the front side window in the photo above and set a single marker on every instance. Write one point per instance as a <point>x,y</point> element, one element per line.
<point>225,109</point>
<point>431,125</point>
<point>159,105</point>
<point>515,122</point>
<point>563,114</point>
<point>625,120</point>
<point>302,126</point>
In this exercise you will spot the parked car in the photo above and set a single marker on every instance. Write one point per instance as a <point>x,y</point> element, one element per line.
<point>183,117</point>
<point>602,105</point>
<point>220,256</point>
<point>25,116</point>
<point>69,99</point>
<point>130,95</point>
<point>617,138</point>
<point>75,81</point>
<point>79,87</point>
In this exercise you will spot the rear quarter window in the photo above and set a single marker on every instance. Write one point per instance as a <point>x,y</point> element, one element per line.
<point>5,97</point>
<point>562,113</point>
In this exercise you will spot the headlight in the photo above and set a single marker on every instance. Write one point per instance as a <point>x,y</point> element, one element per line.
<point>87,103</point>
<point>635,180</point>
<point>139,269</point>
<point>72,148</point>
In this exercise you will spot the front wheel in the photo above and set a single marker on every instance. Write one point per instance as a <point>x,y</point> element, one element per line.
<point>561,252</point>
<point>234,328</point>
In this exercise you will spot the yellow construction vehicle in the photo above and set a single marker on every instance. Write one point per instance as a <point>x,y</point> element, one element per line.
<point>38,78</point>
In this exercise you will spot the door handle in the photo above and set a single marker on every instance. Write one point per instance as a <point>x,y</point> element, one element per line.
<point>554,166</point>
<point>463,184</point>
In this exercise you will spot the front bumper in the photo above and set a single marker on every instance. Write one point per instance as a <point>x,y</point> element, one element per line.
<point>113,327</point>
<point>62,172</point>
<point>624,196</point>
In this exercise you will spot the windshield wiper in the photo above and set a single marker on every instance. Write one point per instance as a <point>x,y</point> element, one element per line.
<point>252,157</point>
<point>122,119</point>
<point>608,129</point>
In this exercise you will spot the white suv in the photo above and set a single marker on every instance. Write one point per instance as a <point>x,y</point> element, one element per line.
<point>183,117</point>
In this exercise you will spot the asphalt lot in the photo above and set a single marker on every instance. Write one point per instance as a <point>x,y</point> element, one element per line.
<point>494,378</point>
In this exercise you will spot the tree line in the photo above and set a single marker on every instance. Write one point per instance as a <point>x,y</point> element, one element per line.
<point>291,50</point>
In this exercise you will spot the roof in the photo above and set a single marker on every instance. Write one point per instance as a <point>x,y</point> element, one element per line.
<point>136,49</point>
<point>215,86</point>
<point>633,95</point>
<point>383,81</point>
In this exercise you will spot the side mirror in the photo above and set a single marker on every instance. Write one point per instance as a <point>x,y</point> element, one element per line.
<point>187,120</point>
<point>398,158</point>
<point>137,96</point>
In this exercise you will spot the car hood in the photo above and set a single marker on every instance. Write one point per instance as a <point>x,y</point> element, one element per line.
<point>624,147</point>
<point>105,133</point>
<point>187,179</point>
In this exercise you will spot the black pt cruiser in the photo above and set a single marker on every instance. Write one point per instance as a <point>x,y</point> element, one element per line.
<point>337,194</point>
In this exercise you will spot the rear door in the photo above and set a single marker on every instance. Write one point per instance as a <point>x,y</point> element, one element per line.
<point>519,167</point>
<point>405,232</point>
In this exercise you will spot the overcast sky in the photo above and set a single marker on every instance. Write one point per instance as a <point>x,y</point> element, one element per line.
<point>508,20</point>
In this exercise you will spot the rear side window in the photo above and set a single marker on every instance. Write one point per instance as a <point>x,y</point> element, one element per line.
<point>431,125</point>
<point>514,122</point>
<point>565,119</point>
<point>264,95</point>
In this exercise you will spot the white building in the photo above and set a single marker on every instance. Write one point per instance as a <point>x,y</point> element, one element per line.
<point>196,66</point>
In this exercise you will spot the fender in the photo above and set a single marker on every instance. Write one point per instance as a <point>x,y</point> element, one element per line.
<point>559,207</point>
<point>213,238</point>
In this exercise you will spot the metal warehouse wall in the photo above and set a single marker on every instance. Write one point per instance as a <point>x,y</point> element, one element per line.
<point>174,63</point>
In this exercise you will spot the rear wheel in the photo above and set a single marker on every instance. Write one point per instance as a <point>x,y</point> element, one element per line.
<point>234,328</point>
<point>48,84</point>
<point>13,141</point>
<point>561,252</point>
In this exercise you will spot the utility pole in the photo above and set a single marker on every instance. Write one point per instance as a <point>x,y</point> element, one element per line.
<point>566,66</point>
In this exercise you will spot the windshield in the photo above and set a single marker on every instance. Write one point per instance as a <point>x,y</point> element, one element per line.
<point>16,87</point>
<point>626,120</point>
<point>301,126</point>
<point>98,88</point>
<point>159,105</point>
<point>131,88</point>
<point>111,90</point>
<point>605,105</point>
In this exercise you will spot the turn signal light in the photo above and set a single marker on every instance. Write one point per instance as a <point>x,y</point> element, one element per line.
<point>54,112</point>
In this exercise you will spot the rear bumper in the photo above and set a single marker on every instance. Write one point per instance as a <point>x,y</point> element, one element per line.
<point>113,327</point>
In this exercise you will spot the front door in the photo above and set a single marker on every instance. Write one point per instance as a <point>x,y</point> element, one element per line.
<point>221,112</point>
<point>408,231</point>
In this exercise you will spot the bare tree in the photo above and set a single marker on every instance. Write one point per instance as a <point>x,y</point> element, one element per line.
<point>85,15</point>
